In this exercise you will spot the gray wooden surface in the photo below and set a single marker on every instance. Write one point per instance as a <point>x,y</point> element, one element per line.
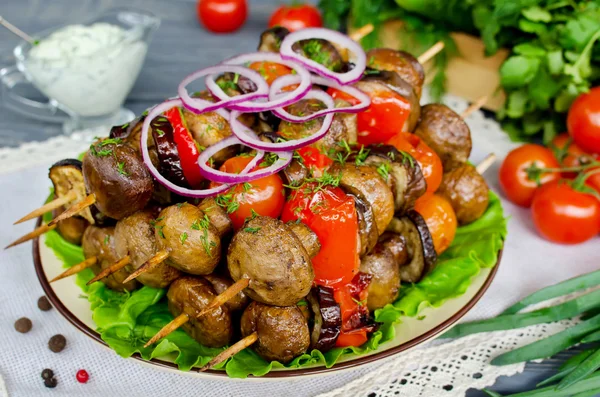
<point>179,47</point>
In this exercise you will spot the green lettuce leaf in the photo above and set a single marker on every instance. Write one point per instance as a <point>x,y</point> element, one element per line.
<point>126,321</point>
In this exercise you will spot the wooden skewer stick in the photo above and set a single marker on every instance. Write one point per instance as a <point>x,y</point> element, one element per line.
<point>148,265</point>
<point>431,52</point>
<point>231,351</point>
<point>358,34</point>
<point>76,268</point>
<point>474,106</point>
<point>52,205</point>
<point>226,295</point>
<point>17,31</point>
<point>486,163</point>
<point>110,270</point>
<point>167,329</point>
<point>75,209</point>
<point>31,235</point>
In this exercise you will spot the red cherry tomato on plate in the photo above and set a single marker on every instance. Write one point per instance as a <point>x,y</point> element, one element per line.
<point>430,163</point>
<point>296,17</point>
<point>222,16</point>
<point>515,184</point>
<point>571,154</point>
<point>564,215</point>
<point>264,196</point>
<point>583,121</point>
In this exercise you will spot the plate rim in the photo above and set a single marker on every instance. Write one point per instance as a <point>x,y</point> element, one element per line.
<point>298,372</point>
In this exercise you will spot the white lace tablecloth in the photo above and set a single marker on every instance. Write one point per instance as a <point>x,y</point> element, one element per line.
<point>434,369</point>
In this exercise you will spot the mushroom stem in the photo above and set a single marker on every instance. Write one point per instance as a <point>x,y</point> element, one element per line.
<point>226,295</point>
<point>75,209</point>
<point>431,52</point>
<point>89,262</point>
<point>474,106</point>
<point>231,351</point>
<point>110,270</point>
<point>150,264</point>
<point>31,235</point>
<point>54,204</point>
<point>485,163</point>
<point>167,329</point>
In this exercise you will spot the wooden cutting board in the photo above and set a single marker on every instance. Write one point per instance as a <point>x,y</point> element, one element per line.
<point>470,74</point>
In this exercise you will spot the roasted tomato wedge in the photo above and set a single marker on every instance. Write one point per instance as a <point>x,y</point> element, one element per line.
<point>264,196</point>
<point>440,219</point>
<point>270,71</point>
<point>430,163</point>
<point>382,120</point>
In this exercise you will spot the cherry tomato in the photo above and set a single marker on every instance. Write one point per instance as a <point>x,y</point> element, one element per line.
<point>271,71</point>
<point>593,180</point>
<point>583,121</point>
<point>573,155</point>
<point>440,219</point>
<point>382,120</point>
<point>430,163</point>
<point>564,215</point>
<point>222,16</point>
<point>515,184</point>
<point>315,160</point>
<point>264,196</point>
<point>330,213</point>
<point>296,17</point>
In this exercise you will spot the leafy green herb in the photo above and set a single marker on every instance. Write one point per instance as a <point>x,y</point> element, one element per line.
<point>121,169</point>
<point>252,230</point>
<point>247,186</point>
<point>98,149</point>
<point>384,170</point>
<point>179,205</point>
<point>159,228</point>
<point>303,302</point>
<point>227,202</point>
<point>182,237</point>
<point>106,239</point>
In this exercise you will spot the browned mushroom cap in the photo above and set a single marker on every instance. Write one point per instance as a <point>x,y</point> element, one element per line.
<point>383,81</point>
<point>365,183</point>
<point>403,63</point>
<point>403,172</point>
<point>446,133</point>
<point>134,236</point>
<point>309,239</point>
<point>190,295</point>
<point>419,246</point>
<point>282,331</point>
<point>220,284</point>
<point>100,242</point>
<point>320,51</point>
<point>193,243</point>
<point>273,259</point>
<point>117,176</point>
<point>217,216</point>
<point>294,173</point>
<point>384,265</point>
<point>71,229</point>
<point>467,192</point>
<point>270,39</point>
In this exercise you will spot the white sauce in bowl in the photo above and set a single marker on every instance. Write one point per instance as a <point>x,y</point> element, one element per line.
<point>89,69</point>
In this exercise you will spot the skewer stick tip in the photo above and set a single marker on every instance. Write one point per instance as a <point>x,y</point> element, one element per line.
<point>75,209</point>
<point>110,270</point>
<point>431,52</point>
<point>52,205</point>
<point>226,295</point>
<point>486,163</point>
<point>231,351</point>
<point>76,268</point>
<point>474,106</point>
<point>360,33</point>
<point>151,263</point>
<point>31,235</point>
<point>167,329</point>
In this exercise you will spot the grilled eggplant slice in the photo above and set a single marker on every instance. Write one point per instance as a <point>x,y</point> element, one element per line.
<point>168,156</point>
<point>419,244</point>
<point>327,318</point>
<point>367,228</point>
<point>67,176</point>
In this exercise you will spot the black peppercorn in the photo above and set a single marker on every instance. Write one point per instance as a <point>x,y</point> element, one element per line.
<point>47,373</point>
<point>44,304</point>
<point>57,343</point>
<point>23,325</point>
<point>50,382</point>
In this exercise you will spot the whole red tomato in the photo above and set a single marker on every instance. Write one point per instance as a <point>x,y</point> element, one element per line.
<point>296,17</point>
<point>564,215</point>
<point>583,121</point>
<point>430,163</point>
<point>222,16</point>
<point>571,154</point>
<point>593,179</point>
<point>514,181</point>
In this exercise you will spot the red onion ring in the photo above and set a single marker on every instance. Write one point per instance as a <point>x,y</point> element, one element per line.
<point>198,105</point>
<point>284,81</point>
<point>359,56</point>
<point>249,138</point>
<point>283,100</point>
<point>225,177</point>
<point>195,193</point>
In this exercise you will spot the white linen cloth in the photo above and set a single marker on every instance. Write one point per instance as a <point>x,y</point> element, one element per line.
<point>529,263</point>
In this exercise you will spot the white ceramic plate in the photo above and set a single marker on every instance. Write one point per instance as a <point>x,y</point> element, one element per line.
<point>65,296</point>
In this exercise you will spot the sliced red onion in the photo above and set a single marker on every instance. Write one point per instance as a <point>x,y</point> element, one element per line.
<point>196,193</point>
<point>198,105</point>
<point>284,100</point>
<point>249,138</point>
<point>225,177</point>
<point>285,81</point>
<point>359,58</point>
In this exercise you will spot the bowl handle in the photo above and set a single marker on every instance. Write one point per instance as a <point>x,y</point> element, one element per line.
<point>48,111</point>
